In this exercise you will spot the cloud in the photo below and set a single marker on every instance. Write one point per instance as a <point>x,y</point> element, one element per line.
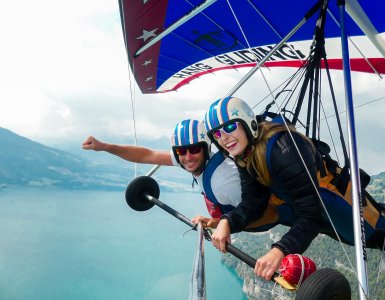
<point>53,55</point>
<point>64,75</point>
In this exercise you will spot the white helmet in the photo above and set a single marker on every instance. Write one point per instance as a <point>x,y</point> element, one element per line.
<point>228,110</point>
<point>190,132</point>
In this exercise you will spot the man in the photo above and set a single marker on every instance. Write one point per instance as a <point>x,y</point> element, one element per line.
<point>216,175</point>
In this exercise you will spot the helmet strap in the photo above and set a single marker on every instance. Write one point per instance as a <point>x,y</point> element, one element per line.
<point>241,159</point>
<point>200,169</point>
<point>195,181</point>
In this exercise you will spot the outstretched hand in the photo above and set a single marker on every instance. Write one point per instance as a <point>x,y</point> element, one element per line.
<point>269,263</point>
<point>92,143</point>
<point>221,236</point>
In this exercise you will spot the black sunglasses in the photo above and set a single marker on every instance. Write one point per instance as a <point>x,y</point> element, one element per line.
<point>182,150</point>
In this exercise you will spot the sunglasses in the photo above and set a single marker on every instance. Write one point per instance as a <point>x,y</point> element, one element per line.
<point>192,149</point>
<point>229,128</point>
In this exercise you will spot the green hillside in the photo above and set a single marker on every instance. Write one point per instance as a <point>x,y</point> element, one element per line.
<point>26,163</point>
<point>377,187</point>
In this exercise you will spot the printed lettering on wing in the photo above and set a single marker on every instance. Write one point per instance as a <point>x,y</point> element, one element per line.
<point>242,57</point>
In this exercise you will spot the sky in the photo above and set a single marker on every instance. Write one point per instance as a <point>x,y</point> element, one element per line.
<point>64,76</point>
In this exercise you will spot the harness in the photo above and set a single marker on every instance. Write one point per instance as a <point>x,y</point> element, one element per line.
<point>214,207</point>
<point>335,190</point>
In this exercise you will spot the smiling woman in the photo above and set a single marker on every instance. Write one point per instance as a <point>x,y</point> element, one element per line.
<point>247,144</point>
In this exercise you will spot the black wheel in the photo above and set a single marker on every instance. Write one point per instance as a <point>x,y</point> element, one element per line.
<point>324,284</point>
<point>136,191</point>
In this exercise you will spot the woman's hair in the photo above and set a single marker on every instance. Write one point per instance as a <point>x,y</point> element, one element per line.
<point>255,162</point>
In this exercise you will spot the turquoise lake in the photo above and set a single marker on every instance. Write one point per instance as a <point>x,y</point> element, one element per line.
<point>75,245</point>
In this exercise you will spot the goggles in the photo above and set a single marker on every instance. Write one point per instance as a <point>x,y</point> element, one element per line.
<point>195,149</point>
<point>229,128</point>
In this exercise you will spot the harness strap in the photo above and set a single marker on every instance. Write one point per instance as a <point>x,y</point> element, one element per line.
<point>319,161</point>
<point>211,166</point>
<point>269,148</point>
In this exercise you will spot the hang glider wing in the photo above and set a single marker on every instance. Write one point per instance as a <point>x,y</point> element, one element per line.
<point>169,43</point>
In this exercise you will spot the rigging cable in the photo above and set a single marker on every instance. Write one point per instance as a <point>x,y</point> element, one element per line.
<point>273,28</point>
<point>308,80</point>
<point>131,84</point>
<point>381,265</point>
<point>132,97</point>
<point>314,130</point>
<point>249,46</point>
<point>357,48</point>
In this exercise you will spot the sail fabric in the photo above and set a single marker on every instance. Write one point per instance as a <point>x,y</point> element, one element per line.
<point>239,33</point>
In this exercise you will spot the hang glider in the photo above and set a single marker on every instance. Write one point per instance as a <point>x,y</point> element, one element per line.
<point>169,43</point>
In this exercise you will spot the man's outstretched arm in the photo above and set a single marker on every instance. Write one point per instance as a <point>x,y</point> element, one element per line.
<point>130,153</point>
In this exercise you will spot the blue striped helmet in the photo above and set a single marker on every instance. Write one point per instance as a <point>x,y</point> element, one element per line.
<point>190,132</point>
<point>228,110</point>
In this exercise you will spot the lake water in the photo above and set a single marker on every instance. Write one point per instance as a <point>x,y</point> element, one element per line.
<point>91,245</point>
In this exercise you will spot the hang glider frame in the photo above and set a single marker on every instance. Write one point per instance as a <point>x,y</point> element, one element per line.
<point>309,14</point>
<point>356,12</point>
<point>353,8</point>
<point>370,31</point>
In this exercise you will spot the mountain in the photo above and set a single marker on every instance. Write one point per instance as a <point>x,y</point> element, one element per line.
<point>26,163</point>
<point>74,146</point>
<point>379,176</point>
<point>377,187</point>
